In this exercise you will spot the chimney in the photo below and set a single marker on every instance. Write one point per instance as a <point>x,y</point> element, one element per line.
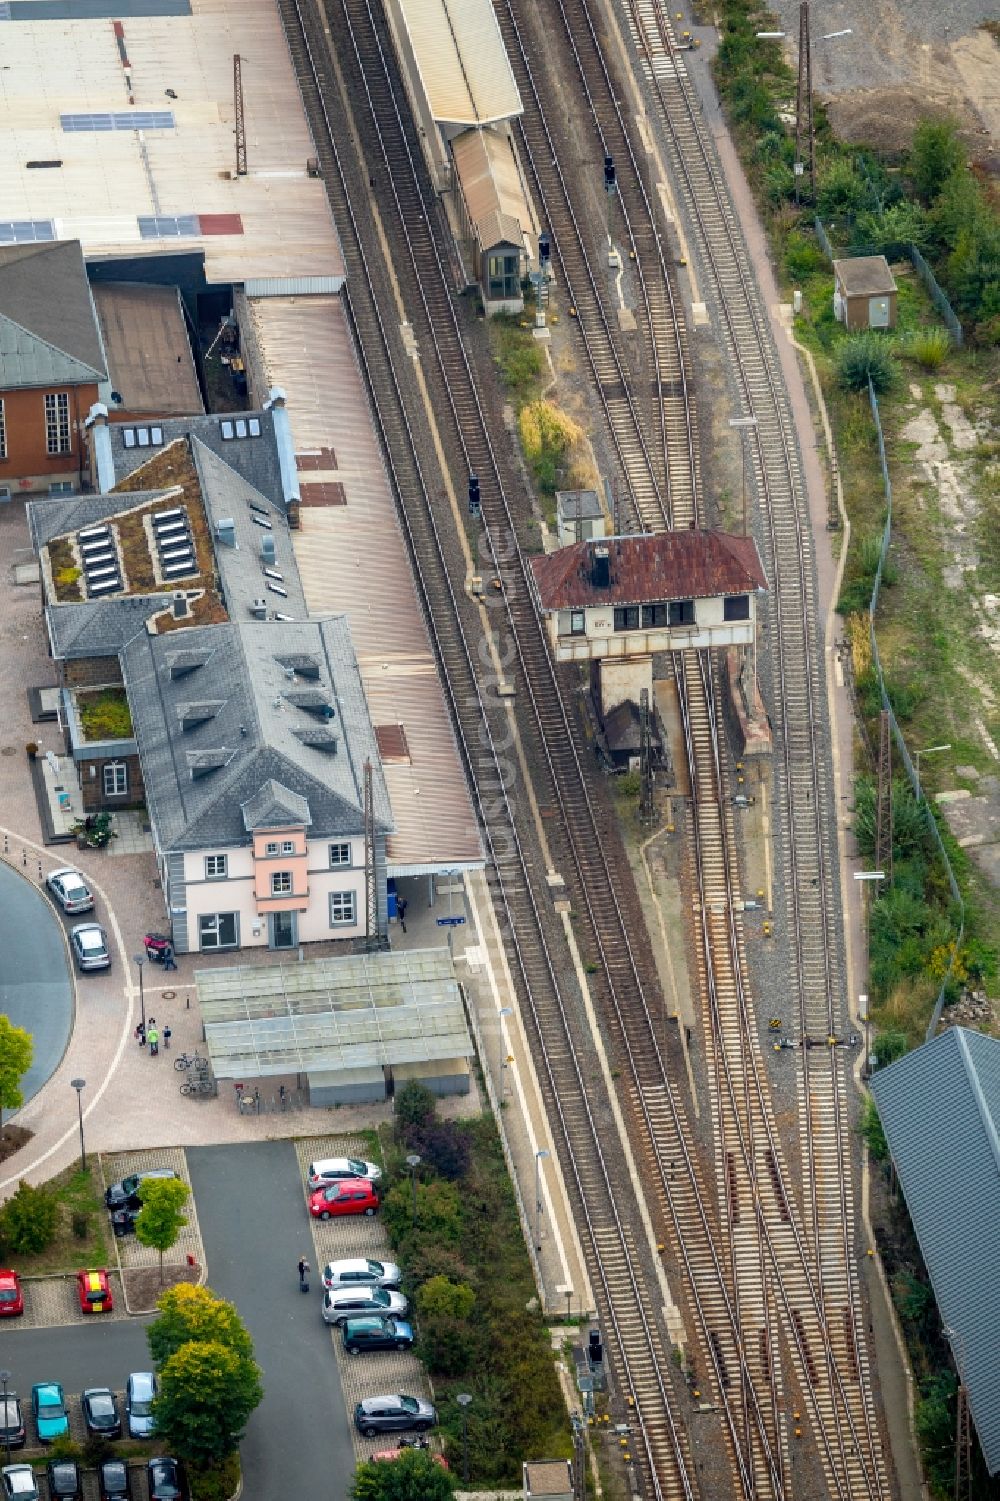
<point>259,609</point>
<point>600,567</point>
<point>225,530</point>
<point>286,448</point>
<point>267,547</point>
<point>100,442</point>
<point>181,607</point>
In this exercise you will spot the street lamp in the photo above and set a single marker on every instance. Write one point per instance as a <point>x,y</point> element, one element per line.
<point>928,750</point>
<point>140,959</point>
<point>743,424</point>
<point>5,1376</point>
<point>413,1162</point>
<point>463,1399</point>
<point>79,1085</point>
<point>539,1156</point>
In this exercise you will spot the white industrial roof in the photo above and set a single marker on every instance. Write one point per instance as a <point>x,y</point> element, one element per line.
<point>352,558</point>
<point>463,64</point>
<point>71,90</point>
<point>357,1011</point>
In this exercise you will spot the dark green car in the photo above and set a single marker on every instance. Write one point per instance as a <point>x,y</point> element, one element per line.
<point>376,1333</point>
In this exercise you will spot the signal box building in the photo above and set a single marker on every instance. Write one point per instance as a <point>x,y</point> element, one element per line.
<point>864,293</point>
<point>618,600</point>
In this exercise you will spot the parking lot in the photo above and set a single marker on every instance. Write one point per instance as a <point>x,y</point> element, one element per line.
<point>249,1224</point>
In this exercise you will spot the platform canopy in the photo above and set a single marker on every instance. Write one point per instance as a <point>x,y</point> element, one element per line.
<point>349,1012</point>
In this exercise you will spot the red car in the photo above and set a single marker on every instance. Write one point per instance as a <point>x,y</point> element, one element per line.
<point>11,1296</point>
<point>348,1196</point>
<point>94,1291</point>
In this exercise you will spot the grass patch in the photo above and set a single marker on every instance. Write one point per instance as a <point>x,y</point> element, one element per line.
<point>104,714</point>
<point>518,356</point>
<point>80,1205</point>
<point>467,1243</point>
<point>65,571</point>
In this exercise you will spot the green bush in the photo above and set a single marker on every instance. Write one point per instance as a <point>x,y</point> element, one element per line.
<point>216,1483</point>
<point>440,1297</point>
<point>871,1130</point>
<point>80,1220</point>
<point>443,1146</point>
<point>412,1477</point>
<point>936,152</point>
<point>803,258</point>
<point>863,357</point>
<point>438,1212</point>
<point>29,1219</point>
<point>414,1106</point>
<point>930,347</point>
<point>105,715</point>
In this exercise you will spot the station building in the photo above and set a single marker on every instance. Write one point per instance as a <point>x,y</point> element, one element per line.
<point>152,127</point>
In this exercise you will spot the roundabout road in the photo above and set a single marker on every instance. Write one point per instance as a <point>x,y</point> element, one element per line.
<point>36,986</point>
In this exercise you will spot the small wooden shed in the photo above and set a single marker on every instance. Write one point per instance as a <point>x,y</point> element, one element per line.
<point>864,293</point>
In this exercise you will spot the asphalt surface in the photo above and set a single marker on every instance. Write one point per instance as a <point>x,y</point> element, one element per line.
<point>254,1224</point>
<point>77,1355</point>
<point>36,986</point>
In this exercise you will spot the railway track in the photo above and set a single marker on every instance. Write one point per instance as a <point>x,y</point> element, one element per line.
<point>843,1404</point>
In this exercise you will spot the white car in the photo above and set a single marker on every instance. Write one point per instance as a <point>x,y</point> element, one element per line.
<point>89,943</point>
<point>19,1483</point>
<point>334,1169</point>
<point>341,1304</point>
<point>360,1272</point>
<point>70,890</point>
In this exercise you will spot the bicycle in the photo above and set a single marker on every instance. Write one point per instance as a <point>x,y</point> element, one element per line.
<point>198,1086</point>
<point>190,1060</point>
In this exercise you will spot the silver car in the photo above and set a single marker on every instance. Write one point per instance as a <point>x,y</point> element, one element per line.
<point>89,943</point>
<point>335,1169</point>
<point>70,890</point>
<point>356,1302</point>
<point>359,1271</point>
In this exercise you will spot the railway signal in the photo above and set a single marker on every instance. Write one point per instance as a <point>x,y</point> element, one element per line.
<point>475,504</point>
<point>609,173</point>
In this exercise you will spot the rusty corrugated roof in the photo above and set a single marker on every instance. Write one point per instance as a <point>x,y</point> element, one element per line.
<point>491,186</point>
<point>648,569</point>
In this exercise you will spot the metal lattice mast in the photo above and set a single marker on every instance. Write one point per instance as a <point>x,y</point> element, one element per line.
<point>241,129</point>
<point>805,135</point>
<point>883,799</point>
<point>371,884</point>
<point>963,1446</point>
<point>645,759</point>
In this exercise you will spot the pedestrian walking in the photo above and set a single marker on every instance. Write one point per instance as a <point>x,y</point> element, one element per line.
<point>303,1275</point>
<point>401,909</point>
<point>168,956</point>
<point>167,1034</point>
<point>140,1035</point>
<point>154,1041</point>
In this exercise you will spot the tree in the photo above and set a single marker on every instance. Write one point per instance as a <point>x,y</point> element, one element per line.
<point>935,154</point>
<point>412,1477</point>
<point>160,1221</point>
<point>441,1298</point>
<point>195,1313</point>
<point>207,1393</point>
<point>16,1050</point>
<point>28,1220</point>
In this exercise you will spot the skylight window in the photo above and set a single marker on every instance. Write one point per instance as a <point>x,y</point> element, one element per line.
<point>26,231</point>
<point>129,119</point>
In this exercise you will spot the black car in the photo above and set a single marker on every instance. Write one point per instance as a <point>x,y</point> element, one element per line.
<point>100,1412</point>
<point>127,1191</point>
<point>11,1422</point>
<point>63,1476</point>
<point>164,1478</point>
<point>376,1334</point>
<point>123,1219</point>
<point>112,1478</point>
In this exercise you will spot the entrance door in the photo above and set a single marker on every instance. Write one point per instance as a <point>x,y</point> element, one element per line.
<point>283,927</point>
<point>878,312</point>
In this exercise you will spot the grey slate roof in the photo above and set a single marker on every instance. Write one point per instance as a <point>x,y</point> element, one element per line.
<point>49,333</point>
<point>275,807</point>
<point>55,516</point>
<point>256,459</point>
<point>99,627</point>
<point>940,1108</point>
<point>228,495</point>
<point>199,781</point>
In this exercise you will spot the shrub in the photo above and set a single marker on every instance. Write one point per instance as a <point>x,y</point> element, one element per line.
<point>439,1213</point>
<point>81,1223</point>
<point>871,1130</point>
<point>803,258</point>
<point>448,1347</point>
<point>443,1146</point>
<point>67,576</point>
<point>96,1449</point>
<point>105,715</point>
<point>547,436</point>
<point>412,1477</point>
<point>414,1106</point>
<point>431,1260</point>
<point>29,1219</point>
<point>216,1483</point>
<point>930,347</point>
<point>863,357</point>
<point>439,1297</point>
<point>935,154</point>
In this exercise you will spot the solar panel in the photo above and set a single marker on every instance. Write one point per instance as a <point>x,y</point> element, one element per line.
<point>175,511</point>
<point>94,574</point>
<point>261,510</point>
<point>95,559</point>
<point>131,119</point>
<point>108,586</point>
<point>175,570</point>
<point>261,521</point>
<point>277,589</point>
<point>272,573</point>
<point>94,531</point>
